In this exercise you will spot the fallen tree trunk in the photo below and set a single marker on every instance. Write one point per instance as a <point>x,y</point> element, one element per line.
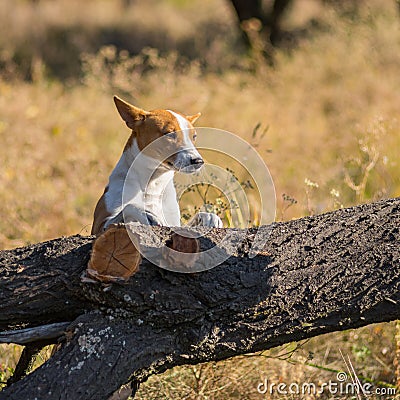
<point>314,275</point>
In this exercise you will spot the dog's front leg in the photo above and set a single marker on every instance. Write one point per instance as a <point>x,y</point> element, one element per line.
<point>210,220</point>
<point>132,213</point>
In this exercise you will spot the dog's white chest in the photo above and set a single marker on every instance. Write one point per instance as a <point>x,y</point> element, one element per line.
<point>142,185</point>
<point>162,201</point>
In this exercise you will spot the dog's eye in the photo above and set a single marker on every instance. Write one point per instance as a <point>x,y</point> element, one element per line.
<point>171,135</point>
<point>195,136</point>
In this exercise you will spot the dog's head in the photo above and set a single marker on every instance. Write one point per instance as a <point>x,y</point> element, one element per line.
<point>164,135</point>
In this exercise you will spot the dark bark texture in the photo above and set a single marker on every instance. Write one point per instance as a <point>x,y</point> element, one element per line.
<point>315,275</point>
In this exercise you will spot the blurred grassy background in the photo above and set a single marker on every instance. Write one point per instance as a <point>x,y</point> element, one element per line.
<point>330,101</point>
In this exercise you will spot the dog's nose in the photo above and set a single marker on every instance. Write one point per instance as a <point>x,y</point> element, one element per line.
<point>197,161</point>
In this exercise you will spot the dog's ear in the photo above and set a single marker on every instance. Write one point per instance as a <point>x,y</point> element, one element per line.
<point>193,118</point>
<point>130,114</point>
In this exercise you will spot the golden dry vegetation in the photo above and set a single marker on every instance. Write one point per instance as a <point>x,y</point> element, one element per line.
<point>330,102</point>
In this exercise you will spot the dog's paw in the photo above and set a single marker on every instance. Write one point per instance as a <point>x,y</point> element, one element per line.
<point>209,220</point>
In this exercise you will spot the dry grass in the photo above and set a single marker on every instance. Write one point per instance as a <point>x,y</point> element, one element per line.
<point>331,106</point>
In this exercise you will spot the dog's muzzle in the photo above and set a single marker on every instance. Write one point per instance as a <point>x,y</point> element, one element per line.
<point>196,162</point>
<point>188,162</point>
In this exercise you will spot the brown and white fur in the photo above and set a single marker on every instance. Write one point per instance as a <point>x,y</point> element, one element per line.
<point>149,192</point>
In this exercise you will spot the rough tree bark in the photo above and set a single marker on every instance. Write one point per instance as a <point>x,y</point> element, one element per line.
<point>314,275</point>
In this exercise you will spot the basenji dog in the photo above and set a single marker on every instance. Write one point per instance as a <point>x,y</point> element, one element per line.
<point>141,187</point>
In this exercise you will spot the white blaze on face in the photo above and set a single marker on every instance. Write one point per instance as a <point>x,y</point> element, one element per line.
<point>188,151</point>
